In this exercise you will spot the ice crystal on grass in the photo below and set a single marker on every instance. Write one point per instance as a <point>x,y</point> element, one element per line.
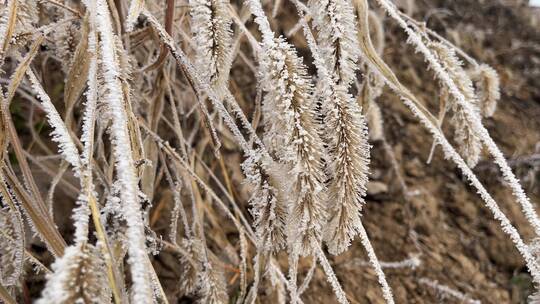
<point>211,26</point>
<point>336,24</point>
<point>11,245</point>
<point>348,168</point>
<point>60,132</point>
<point>487,85</point>
<point>125,166</point>
<point>78,277</point>
<point>467,140</point>
<point>289,120</point>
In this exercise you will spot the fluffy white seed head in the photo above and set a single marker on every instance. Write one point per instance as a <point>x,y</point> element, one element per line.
<point>337,38</point>
<point>467,140</point>
<point>348,167</point>
<point>487,84</point>
<point>211,27</point>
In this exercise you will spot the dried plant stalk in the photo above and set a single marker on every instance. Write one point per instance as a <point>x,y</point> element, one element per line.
<point>135,9</point>
<point>12,242</point>
<point>124,161</point>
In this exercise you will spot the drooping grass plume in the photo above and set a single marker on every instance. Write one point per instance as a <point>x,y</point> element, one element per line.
<point>327,93</point>
<point>12,242</point>
<point>348,168</point>
<point>211,27</point>
<point>292,134</point>
<point>289,118</point>
<point>267,207</point>
<point>79,277</point>
<point>346,137</point>
<point>487,84</point>
<point>348,163</point>
<point>467,140</point>
<point>336,25</point>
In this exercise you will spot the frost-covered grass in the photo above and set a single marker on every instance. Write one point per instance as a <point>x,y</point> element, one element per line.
<point>150,116</point>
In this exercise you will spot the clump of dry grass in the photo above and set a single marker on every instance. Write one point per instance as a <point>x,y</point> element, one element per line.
<point>141,82</point>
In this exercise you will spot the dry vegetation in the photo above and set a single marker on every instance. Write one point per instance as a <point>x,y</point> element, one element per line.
<point>279,151</point>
